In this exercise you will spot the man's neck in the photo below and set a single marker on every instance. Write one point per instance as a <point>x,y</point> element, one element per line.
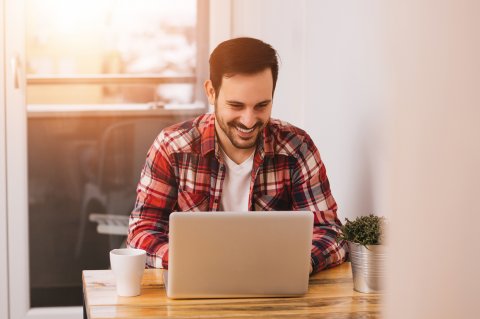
<point>238,155</point>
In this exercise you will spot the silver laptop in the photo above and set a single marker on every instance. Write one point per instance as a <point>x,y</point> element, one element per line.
<point>239,254</point>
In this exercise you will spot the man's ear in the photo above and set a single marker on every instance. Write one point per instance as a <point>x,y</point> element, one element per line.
<point>209,92</point>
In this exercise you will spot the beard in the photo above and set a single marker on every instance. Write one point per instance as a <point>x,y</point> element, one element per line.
<point>240,140</point>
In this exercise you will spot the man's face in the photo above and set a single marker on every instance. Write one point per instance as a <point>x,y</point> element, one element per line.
<point>242,108</point>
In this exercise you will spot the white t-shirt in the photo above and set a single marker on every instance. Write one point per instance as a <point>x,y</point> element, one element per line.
<point>236,185</point>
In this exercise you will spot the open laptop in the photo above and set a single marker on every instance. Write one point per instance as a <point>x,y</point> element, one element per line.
<point>239,254</point>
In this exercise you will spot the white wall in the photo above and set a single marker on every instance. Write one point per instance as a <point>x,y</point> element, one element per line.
<point>433,51</point>
<point>3,181</point>
<point>330,84</point>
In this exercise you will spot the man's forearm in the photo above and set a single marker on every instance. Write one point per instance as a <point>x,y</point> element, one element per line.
<point>144,234</point>
<point>326,251</point>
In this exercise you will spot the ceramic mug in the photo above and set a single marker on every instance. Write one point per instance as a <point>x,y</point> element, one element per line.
<point>128,265</point>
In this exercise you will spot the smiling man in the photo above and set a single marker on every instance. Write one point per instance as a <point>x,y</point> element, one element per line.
<point>237,159</point>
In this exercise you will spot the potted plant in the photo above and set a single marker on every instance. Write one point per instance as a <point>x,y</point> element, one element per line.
<point>365,237</point>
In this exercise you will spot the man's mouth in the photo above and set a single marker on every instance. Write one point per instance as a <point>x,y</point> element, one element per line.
<point>246,131</point>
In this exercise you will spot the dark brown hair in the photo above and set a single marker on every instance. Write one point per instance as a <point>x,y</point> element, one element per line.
<point>242,55</point>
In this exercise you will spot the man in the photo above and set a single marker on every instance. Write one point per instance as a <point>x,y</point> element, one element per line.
<point>237,159</point>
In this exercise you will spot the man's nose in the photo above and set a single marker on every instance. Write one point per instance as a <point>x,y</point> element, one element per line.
<point>248,118</point>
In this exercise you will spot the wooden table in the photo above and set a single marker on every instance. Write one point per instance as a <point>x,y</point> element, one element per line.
<point>330,295</point>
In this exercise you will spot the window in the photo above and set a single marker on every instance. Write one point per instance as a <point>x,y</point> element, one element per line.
<point>103,78</point>
<point>99,52</point>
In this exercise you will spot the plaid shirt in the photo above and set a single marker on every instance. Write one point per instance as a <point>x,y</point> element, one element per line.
<point>184,171</point>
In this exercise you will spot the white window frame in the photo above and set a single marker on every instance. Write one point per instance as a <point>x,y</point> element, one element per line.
<point>4,305</point>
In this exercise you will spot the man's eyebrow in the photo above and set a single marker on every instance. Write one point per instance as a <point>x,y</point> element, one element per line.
<point>264,102</point>
<point>234,102</point>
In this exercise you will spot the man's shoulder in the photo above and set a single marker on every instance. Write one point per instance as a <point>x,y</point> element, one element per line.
<point>287,138</point>
<point>280,127</point>
<point>185,136</point>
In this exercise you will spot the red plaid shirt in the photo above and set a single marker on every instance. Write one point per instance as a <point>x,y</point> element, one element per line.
<point>184,171</point>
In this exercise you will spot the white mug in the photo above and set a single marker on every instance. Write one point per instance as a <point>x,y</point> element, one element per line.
<point>128,265</point>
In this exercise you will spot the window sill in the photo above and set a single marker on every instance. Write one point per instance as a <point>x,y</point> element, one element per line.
<point>97,110</point>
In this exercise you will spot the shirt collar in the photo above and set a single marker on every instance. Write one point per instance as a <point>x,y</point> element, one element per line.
<point>208,135</point>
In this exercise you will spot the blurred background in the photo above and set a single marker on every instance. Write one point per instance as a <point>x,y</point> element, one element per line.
<point>388,90</point>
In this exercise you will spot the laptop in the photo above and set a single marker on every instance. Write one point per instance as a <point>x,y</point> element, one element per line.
<point>238,254</point>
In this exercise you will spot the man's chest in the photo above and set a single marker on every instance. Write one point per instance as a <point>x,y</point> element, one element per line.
<point>201,181</point>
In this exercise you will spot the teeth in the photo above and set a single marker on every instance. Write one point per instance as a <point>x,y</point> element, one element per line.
<point>245,131</point>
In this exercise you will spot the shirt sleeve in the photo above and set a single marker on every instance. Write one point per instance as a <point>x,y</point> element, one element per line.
<point>311,191</point>
<point>156,199</point>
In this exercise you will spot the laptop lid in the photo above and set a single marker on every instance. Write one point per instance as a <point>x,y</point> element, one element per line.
<point>239,254</point>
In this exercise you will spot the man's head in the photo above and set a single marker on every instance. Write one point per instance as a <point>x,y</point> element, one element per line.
<point>243,74</point>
